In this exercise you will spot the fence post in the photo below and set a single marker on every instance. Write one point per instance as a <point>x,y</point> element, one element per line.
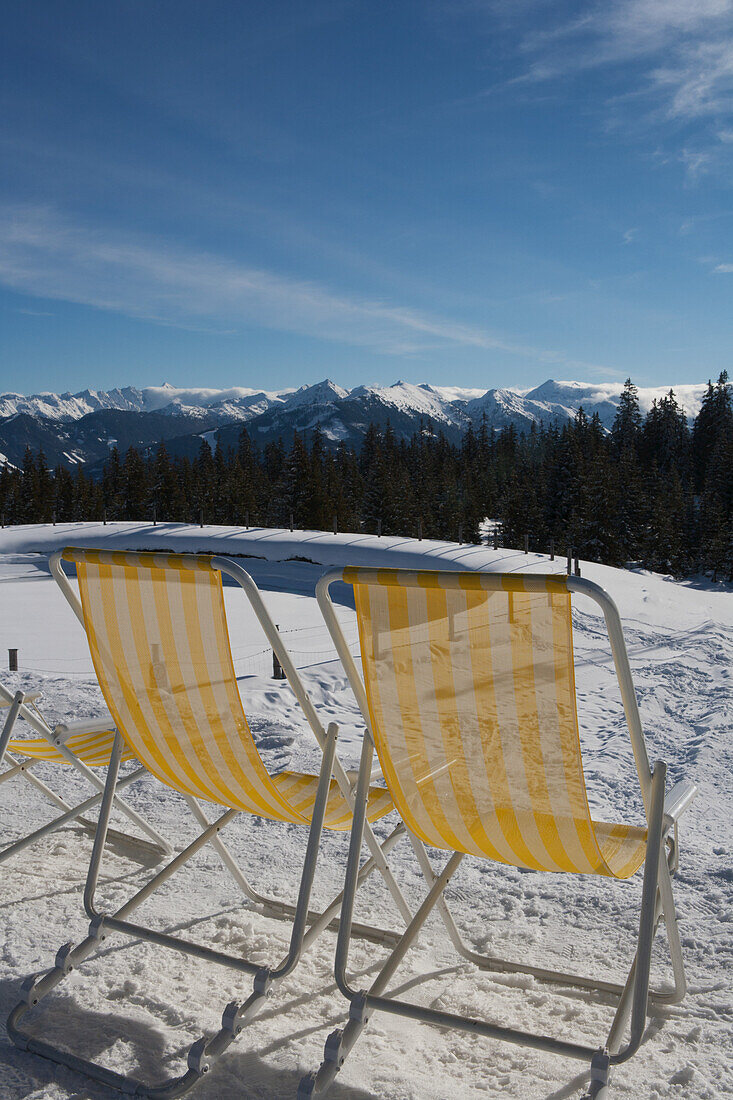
<point>246,520</point>
<point>496,538</point>
<point>201,518</point>
<point>460,533</point>
<point>552,549</point>
<point>278,672</point>
<point>3,519</point>
<point>379,528</point>
<point>291,521</point>
<point>570,560</point>
<point>155,516</point>
<point>53,518</point>
<point>577,566</point>
<point>104,517</point>
<point>12,660</point>
<point>526,544</point>
<point>419,530</point>
<point>335,524</point>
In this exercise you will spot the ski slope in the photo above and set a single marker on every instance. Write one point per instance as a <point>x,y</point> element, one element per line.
<point>680,640</point>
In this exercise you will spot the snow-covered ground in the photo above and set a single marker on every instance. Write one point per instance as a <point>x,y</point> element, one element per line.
<point>680,639</point>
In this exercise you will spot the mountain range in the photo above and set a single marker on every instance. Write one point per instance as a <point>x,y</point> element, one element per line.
<point>83,427</point>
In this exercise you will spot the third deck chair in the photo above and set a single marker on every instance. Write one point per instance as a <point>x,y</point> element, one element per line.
<point>469,698</point>
<point>79,745</point>
<point>158,635</point>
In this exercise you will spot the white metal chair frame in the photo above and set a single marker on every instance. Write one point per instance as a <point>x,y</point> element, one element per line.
<point>662,813</point>
<point>22,705</point>
<point>205,1051</point>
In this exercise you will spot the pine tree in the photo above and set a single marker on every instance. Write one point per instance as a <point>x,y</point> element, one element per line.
<point>666,437</point>
<point>714,421</point>
<point>627,424</point>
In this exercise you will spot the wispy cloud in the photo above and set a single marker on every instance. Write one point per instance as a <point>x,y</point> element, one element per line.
<point>630,235</point>
<point>675,57</point>
<point>723,269</point>
<point>48,256</point>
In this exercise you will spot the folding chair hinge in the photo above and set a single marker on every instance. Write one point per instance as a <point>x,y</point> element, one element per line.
<point>97,931</point>
<point>673,850</point>
<point>262,982</point>
<point>28,990</point>
<point>600,1066</point>
<point>230,1016</point>
<point>63,961</point>
<point>333,1047</point>
<point>359,1008</point>
<point>198,1059</point>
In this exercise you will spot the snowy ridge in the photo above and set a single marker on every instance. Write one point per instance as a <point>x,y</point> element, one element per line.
<point>449,405</point>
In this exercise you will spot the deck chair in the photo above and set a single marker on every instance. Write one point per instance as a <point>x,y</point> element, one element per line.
<point>158,635</point>
<point>80,745</point>
<point>469,699</point>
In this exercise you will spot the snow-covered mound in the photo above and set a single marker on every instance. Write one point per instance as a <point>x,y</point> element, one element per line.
<point>680,641</point>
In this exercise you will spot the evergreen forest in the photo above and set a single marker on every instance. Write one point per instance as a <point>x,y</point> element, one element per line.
<point>650,492</point>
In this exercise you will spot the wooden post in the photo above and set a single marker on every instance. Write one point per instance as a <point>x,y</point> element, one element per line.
<point>155,516</point>
<point>496,538</point>
<point>419,530</point>
<point>53,518</point>
<point>577,566</point>
<point>335,524</point>
<point>12,660</point>
<point>379,528</point>
<point>552,549</point>
<point>201,518</point>
<point>104,517</point>
<point>570,560</point>
<point>291,521</point>
<point>3,519</point>
<point>526,544</point>
<point>246,520</point>
<point>460,533</point>
<point>278,673</point>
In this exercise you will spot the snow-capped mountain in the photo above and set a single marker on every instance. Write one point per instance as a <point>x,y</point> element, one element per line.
<point>81,427</point>
<point>237,403</point>
<point>561,401</point>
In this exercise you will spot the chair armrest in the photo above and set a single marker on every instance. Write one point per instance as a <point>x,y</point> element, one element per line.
<point>64,730</point>
<point>376,775</point>
<point>677,800</point>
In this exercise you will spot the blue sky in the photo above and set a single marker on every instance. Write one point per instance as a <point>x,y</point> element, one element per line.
<point>463,192</point>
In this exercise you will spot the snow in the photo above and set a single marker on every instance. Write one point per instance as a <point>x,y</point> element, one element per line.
<point>680,640</point>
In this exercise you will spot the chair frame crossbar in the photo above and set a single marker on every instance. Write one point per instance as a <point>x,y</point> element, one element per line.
<point>634,995</point>
<point>307,924</point>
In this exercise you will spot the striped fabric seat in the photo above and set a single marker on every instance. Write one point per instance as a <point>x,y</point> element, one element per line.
<point>158,636</point>
<point>470,684</point>
<point>91,748</point>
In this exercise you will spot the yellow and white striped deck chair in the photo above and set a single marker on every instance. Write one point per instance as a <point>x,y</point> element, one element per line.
<point>79,745</point>
<point>468,694</point>
<point>158,636</point>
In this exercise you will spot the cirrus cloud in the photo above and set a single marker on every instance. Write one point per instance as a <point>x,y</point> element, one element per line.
<point>48,256</point>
